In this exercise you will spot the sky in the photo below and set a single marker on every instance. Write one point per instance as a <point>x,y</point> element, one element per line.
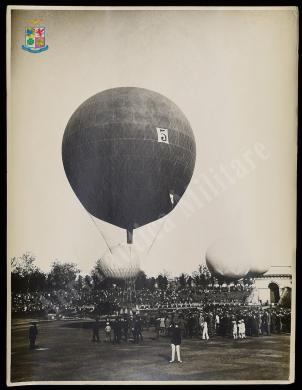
<point>233,73</point>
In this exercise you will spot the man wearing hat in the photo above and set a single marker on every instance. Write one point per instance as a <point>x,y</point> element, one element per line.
<point>32,335</point>
<point>108,332</point>
<point>175,342</point>
<point>95,331</point>
<point>117,331</point>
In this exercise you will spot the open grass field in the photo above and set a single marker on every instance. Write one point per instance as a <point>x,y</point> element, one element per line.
<point>65,353</point>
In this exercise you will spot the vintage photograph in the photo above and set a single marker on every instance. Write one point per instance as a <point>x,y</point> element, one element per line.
<point>151,201</point>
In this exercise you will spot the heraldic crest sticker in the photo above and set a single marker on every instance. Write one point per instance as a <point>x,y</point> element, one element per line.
<point>35,39</point>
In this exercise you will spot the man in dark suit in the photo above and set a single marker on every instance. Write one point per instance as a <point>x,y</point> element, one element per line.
<point>125,327</point>
<point>266,324</point>
<point>32,335</point>
<point>138,331</point>
<point>175,342</point>
<point>190,325</point>
<point>117,331</point>
<point>95,331</point>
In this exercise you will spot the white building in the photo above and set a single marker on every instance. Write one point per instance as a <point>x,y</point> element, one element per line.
<point>271,286</point>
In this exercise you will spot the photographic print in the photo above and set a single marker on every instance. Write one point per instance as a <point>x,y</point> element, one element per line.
<point>151,171</point>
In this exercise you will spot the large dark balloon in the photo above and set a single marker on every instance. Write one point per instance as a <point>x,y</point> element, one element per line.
<point>115,163</point>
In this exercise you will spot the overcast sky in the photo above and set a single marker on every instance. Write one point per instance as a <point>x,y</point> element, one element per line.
<point>232,73</point>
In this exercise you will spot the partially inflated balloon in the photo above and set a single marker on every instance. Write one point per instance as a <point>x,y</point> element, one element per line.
<point>258,267</point>
<point>120,262</point>
<point>228,258</point>
<point>129,155</point>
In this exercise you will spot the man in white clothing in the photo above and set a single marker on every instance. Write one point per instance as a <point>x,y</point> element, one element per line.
<point>205,335</point>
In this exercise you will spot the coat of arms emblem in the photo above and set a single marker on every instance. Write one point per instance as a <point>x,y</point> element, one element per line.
<point>35,39</point>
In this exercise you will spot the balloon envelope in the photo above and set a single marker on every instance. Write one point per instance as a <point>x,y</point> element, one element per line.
<point>129,155</point>
<point>120,262</point>
<point>228,258</point>
<point>258,268</point>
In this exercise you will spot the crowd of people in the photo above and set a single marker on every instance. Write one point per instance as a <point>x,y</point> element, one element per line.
<point>227,321</point>
<point>83,302</point>
<point>66,303</point>
<point>203,323</point>
<point>198,312</point>
<point>171,313</point>
<point>118,329</point>
<point>187,295</point>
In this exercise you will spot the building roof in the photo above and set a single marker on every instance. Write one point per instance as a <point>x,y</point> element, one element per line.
<point>279,270</point>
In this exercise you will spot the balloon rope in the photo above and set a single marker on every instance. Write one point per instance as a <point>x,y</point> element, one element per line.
<point>100,232</point>
<point>154,239</point>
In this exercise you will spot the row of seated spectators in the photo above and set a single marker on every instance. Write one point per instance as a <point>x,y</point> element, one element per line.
<point>84,300</point>
<point>60,300</point>
<point>185,297</point>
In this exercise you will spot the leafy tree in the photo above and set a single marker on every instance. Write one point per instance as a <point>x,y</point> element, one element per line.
<point>151,283</point>
<point>98,279</point>
<point>88,282</point>
<point>203,276</point>
<point>182,280</point>
<point>25,275</point>
<point>141,281</point>
<point>79,283</point>
<point>189,281</point>
<point>37,281</point>
<point>248,280</point>
<point>162,281</point>
<point>24,265</point>
<point>63,275</point>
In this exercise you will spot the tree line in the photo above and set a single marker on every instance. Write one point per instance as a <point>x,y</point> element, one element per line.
<point>27,277</point>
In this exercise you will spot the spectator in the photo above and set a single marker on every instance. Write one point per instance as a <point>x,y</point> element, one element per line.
<point>205,334</point>
<point>108,332</point>
<point>175,343</point>
<point>138,336</point>
<point>116,331</point>
<point>32,335</point>
<point>95,331</point>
